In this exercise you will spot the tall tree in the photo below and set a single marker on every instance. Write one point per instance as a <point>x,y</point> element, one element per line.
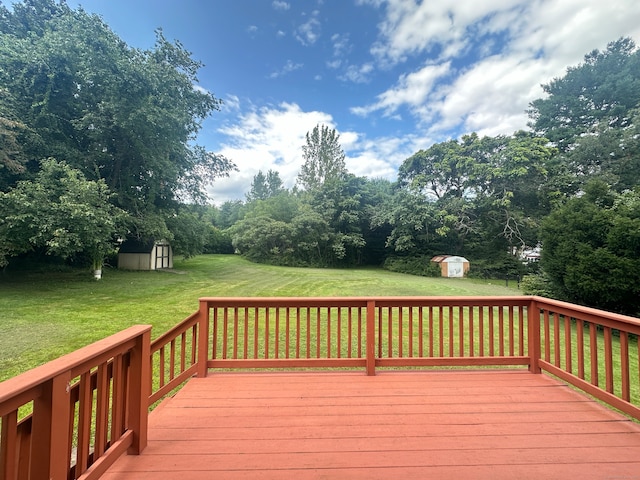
<point>323,158</point>
<point>59,213</point>
<point>127,116</point>
<point>601,90</point>
<point>591,249</point>
<point>265,186</point>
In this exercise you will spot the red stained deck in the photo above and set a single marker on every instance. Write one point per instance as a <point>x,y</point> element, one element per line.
<point>444,424</point>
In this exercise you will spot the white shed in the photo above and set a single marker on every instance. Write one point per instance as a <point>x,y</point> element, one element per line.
<point>452,265</point>
<point>145,255</point>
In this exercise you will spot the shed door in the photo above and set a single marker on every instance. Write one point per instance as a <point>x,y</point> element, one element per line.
<point>162,256</point>
<point>456,269</point>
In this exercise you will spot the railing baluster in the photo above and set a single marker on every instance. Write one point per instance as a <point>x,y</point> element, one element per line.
<point>225,332</point>
<point>329,339</point>
<point>172,359</point>
<point>276,342</point>
<point>521,329</point>
<point>556,338</point>
<point>501,329</point>
<point>511,332</point>
<point>441,330</point>
<point>481,330</point>
<point>491,332</point>
<point>608,359</point>
<point>593,344</point>
<point>580,347</point>
<point>547,337</point>
<point>471,332</point>
<point>256,332</point>
<point>431,331</point>
<point>451,332</point>
<point>461,318</point>
<point>102,419</point>
<point>567,344</point>
<point>235,332</point>
<point>625,385</point>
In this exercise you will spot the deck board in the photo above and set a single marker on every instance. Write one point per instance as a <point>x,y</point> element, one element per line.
<point>445,424</point>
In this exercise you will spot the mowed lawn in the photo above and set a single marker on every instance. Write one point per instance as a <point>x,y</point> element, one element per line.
<point>44,315</point>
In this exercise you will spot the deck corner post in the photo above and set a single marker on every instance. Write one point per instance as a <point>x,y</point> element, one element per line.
<point>371,337</point>
<point>533,321</point>
<point>50,433</point>
<point>139,392</point>
<point>203,338</point>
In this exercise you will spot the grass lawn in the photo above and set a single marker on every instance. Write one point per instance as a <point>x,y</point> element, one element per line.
<point>44,315</point>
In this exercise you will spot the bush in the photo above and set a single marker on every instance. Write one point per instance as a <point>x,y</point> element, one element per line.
<point>414,265</point>
<point>538,284</point>
<point>501,267</point>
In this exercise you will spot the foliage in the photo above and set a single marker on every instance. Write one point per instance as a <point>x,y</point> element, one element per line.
<point>600,91</point>
<point>538,284</point>
<point>60,213</point>
<point>413,265</point>
<point>123,115</point>
<point>323,158</point>
<point>265,186</point>
<point>189,233</point>
<point>217,241</point>
<point>592,249</point>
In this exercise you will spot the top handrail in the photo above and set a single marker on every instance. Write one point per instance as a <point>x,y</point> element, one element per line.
<point>74,361</point>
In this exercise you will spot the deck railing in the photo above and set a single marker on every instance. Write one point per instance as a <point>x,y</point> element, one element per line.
<point>83,411</point>
<point>90,406</point>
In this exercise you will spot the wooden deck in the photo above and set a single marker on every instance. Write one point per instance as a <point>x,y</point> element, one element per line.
<point>444,424</point>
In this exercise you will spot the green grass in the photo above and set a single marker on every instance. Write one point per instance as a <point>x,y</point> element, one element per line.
<point>45,315</point>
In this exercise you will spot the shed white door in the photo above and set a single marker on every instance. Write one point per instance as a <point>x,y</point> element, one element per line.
<point>456,269</point>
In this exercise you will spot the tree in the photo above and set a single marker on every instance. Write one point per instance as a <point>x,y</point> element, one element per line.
<point>600,91</point>
<point>60,213</point>
<point>127,116</point>
<point>263,187</point>
<point>323,158</point>
<point>591,249</point>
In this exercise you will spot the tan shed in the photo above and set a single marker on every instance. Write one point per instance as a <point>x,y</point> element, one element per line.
<point>145,255</point>
<point>451,265</point>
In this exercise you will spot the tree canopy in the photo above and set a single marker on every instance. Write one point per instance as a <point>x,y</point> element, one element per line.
<point>74,91</point>
<point>124,115</point>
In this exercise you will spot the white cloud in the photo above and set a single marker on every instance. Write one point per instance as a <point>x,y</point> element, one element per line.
<point>512,45</point>
<point>289,67</point>
<point>309,32</point>
<point>278,5</point>
<point>268,138</point>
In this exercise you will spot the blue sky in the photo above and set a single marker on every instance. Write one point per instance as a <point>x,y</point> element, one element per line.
<point>391,76</point>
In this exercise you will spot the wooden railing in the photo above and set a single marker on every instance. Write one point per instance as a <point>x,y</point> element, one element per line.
<point>597,352</point>
<point>83,410</point>
<point>89,407</point>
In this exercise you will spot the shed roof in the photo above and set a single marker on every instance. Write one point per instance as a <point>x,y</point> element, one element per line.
<point>135,245</point>
<point>448,258</point>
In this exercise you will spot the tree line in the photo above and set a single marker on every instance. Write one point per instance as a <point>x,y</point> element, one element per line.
<point>97,144</point>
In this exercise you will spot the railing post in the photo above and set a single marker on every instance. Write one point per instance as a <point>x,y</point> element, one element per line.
<point>533,322</point>
<point>139,391</point>
<point>50,433</point>
<point>203,338</point>
<point>371,337</point>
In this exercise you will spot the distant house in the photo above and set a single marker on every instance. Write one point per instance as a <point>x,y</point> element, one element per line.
<point>145,255</point>
<point>451,265</point>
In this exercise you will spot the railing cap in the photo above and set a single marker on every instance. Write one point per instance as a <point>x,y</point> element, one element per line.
<point>36,376</point>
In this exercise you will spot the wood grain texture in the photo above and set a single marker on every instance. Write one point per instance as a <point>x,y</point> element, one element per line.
<point>482,424</point>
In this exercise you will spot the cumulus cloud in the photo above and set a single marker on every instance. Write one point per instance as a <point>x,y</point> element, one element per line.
<point>278,5</point>
<point>267,138</point>
<point>508,48</point>
<point>289,67</point>
<point>309,32</point>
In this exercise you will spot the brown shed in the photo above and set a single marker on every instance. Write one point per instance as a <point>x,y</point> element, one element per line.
<point>451,265</point>
<point>145,255</point>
